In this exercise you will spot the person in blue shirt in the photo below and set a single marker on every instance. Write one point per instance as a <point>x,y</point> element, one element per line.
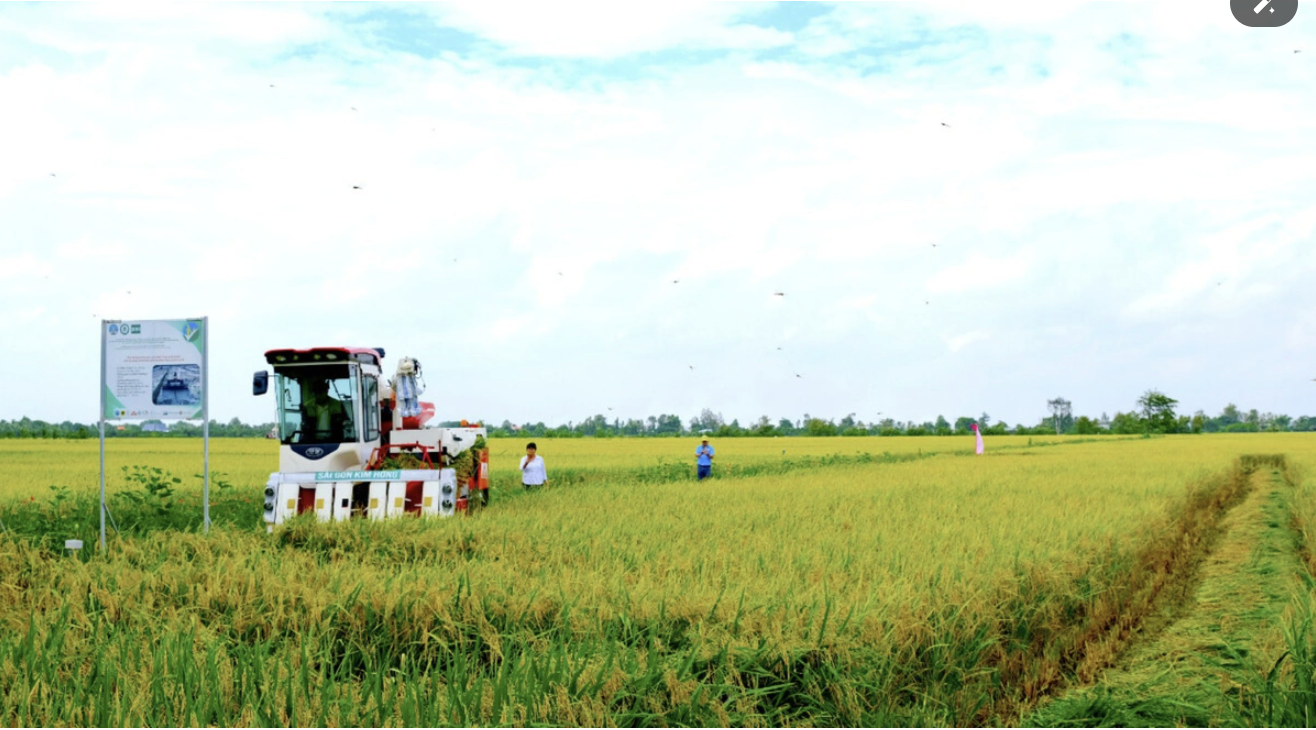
<point>704,462</point>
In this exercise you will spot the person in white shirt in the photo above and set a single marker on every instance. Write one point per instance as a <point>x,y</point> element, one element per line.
<point>533,474</point>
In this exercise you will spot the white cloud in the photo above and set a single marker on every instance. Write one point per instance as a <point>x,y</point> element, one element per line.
<point>1238,264</point>
<point>980,272</point>
<point>959,342</point>
<point>24,267</point>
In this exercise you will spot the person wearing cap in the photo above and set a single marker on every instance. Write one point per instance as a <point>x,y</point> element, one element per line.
<point>704,459</point>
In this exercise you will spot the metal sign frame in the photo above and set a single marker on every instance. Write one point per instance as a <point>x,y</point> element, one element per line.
<point>205,419</point>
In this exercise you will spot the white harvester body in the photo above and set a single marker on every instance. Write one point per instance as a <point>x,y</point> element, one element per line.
<point>339,426</point>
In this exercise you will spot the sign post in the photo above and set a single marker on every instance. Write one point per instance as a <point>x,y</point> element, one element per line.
<point>155,369</point>
<point>102,429</point>
<point>205,425</point>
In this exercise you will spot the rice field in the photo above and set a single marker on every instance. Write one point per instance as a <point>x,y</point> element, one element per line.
<point>816,587</point>
<point>26,465</point>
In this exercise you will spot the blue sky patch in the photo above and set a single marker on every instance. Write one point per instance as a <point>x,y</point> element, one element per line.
<point>398,29</point>
<point>789,16</point>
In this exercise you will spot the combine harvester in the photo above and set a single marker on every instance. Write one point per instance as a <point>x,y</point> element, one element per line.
<point>352,446</point>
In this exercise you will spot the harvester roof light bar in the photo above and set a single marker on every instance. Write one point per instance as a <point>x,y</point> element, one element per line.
<point>359,354</point>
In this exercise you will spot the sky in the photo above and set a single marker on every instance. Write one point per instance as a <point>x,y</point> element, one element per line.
<point>575,208</point>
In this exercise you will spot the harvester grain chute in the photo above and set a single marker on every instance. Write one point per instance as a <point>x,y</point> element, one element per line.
<point>353,446</point>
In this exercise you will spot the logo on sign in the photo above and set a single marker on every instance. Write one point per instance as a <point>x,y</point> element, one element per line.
<point>137,329</point>
<point>190,330</point>
<point>315,452</point>
<point>114,329</point>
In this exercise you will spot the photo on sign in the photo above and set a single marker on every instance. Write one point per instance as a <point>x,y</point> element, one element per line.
<point>176,385</point>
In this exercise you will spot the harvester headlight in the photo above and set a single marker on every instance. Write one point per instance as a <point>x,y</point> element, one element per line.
<point>447,504</point>
<point>269,491</point>
<point>447,489</point>
<point>269,505</point>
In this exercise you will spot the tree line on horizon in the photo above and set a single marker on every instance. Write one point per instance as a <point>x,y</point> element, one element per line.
<point>1155,412</point>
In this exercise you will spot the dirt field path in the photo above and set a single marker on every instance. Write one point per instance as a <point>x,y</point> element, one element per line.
<point>1190,671</point>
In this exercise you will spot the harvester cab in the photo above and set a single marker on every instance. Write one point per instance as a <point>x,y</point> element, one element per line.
<point>353,445</point>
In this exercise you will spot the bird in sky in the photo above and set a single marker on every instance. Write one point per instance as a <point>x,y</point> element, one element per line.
<point>779,294</point>
<point>271,86</point>
<point>926,302</point>
<point>609,407</point>
<point>676,281</point>
<point>692,367</point>
<point>934,245</point>
<point>353,108</point>
<point>356,187</point>
<point>1297,50</point>
<point>778,348</point>
<point>798,375</point>
<point>560,274</point>
<point>52,174</point>
<point>947,126</point>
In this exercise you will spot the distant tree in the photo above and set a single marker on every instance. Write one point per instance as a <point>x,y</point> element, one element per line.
<point>820,427</point>
<point>1127,423</point>
<point>1198,422</point>
<point>1230,415</point>
<point>1279,422</point>
<point>984,421</point>
<point>668,424</point>
<point>707,420</point>
<point>1086,426</point>
<point>1061,412</point>
<point>962,424</point>
<point>1158,411</point>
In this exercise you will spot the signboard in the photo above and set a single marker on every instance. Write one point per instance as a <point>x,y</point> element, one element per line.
<point>153,368</point>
